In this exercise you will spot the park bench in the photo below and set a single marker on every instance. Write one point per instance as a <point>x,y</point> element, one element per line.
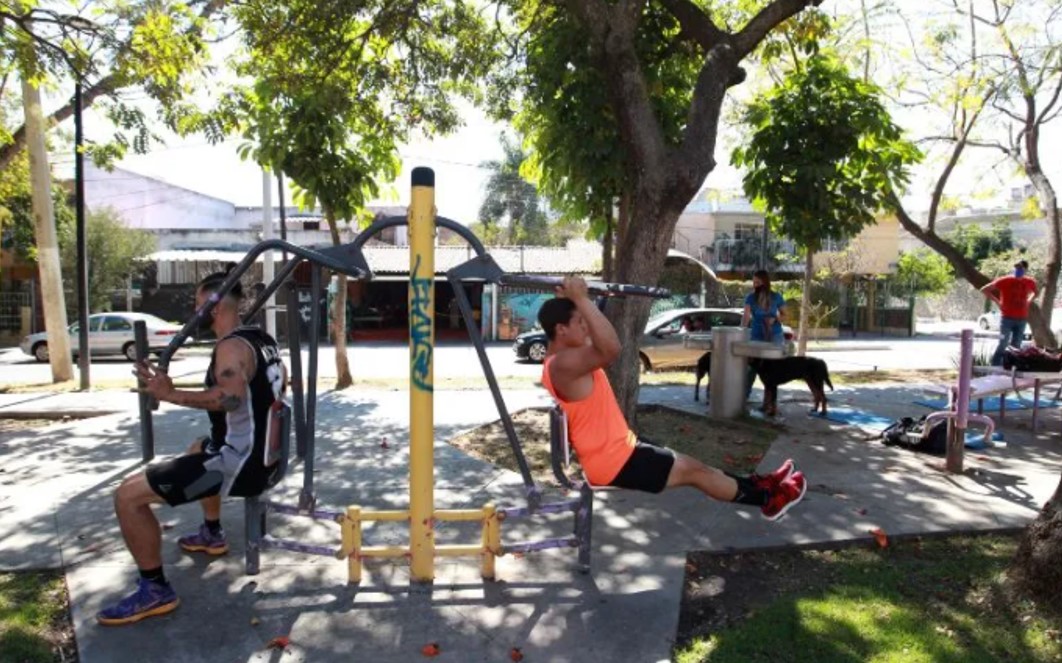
<point>998,381</point>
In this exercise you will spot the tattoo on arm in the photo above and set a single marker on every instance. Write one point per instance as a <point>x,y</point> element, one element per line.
<point>229,402</point>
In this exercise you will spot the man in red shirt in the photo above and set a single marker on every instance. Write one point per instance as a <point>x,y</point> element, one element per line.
<point>1012,294</point>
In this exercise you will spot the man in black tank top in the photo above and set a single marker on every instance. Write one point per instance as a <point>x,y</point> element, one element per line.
<point>245,378</point>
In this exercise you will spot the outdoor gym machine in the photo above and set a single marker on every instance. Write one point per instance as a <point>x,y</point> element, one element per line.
<point>421,514</point>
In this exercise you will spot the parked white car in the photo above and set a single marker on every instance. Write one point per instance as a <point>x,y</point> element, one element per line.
<point>990,322</point>
<point>109,334</point>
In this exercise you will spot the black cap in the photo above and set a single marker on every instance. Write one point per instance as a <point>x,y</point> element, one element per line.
<point>423,177</point>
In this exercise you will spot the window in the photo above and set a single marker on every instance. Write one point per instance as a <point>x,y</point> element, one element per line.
<point>724,319</point>
<point>748,231</point>
<point>114,324</point>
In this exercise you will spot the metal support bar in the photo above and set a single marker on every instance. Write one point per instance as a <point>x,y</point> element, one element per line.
<point>544,544</point>
<point>316,514</point>
<point>384,516</point>
<point>594,287</point>
<point>440,222</point>
<point>315,257</point>
<point>254,524</point>
<point>298,394</point>
<point>147,429</point>
<point>262,298</point>
<point>273,543</point>
<point>551,508</point>
<point>584,524</point>
<point>534,495</point>
<point>306,497</point>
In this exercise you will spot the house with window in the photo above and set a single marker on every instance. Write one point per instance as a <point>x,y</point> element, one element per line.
<point>723,230</point>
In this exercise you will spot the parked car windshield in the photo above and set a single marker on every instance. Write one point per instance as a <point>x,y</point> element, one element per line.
<point>658,320</point>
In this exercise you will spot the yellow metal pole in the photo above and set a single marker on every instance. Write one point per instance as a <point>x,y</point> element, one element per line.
<point>352,543</point>
<point>421,378</point>
<point>490,517</point>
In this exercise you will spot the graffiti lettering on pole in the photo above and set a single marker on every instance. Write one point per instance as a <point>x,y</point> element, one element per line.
<point>420,328</point>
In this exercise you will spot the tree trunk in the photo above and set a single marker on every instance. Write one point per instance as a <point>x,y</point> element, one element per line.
<point>1036,567</point>
<point>805,302</point>
<point>648,241</point>
<point>607,268</point>
<point>47,245</point>
<point>339,314</point>
<point>1040,316</point>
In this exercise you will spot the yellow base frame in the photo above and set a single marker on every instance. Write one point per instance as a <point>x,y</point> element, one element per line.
<point>354,552</point>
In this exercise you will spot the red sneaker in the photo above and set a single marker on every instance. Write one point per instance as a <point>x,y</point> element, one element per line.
<point>770,482</point>
<point>782,498</point>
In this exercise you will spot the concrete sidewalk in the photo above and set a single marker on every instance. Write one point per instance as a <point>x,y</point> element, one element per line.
<point>55,510</point>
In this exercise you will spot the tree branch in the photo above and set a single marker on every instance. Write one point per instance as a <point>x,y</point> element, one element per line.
<point>695,23</point>
<point>1051,103</point>
<point>930,238</point>
<point>762,23</point>
<point>105,86</point>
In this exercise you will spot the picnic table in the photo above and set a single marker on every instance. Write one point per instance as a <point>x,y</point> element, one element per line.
<point>999,381</point>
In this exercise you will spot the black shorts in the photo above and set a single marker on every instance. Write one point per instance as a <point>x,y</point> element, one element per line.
<point>186,478</point>
<point>647,469</point>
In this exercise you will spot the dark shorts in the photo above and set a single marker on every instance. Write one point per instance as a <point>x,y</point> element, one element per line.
<point>186,478</point>
<point>647,469</point>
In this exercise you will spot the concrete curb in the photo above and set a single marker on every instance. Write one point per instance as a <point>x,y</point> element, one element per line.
<point>843,544</point>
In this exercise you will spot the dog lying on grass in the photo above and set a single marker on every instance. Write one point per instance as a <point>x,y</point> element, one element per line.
<point>773,372</point>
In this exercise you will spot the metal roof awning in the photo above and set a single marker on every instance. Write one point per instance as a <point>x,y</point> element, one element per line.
<point>679,255</point>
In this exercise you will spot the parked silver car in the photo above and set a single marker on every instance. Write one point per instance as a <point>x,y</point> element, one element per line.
<point>109,334</point>
<point>663,344</point>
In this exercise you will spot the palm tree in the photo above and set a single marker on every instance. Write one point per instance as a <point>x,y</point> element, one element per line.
<point>512,199</point>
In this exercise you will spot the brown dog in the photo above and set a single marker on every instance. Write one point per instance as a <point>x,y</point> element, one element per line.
<point>773,372</point>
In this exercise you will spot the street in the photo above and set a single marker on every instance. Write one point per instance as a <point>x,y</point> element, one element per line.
<point>378,360</point>
<point>390,360</point>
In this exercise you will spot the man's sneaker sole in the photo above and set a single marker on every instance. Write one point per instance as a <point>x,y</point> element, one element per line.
<point>210,550</point>
<point>788,506</point>
<point>163,609</point>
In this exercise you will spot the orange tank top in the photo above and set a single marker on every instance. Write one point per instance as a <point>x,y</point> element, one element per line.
<point>597,429</point>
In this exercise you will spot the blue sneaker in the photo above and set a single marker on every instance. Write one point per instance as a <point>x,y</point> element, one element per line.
<point>204,541</point>
<point>149,599</point>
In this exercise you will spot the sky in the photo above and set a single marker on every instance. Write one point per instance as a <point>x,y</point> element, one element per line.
<point>217,170</point>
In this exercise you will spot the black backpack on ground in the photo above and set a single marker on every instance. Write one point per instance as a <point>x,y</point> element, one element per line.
<point>912,434</point>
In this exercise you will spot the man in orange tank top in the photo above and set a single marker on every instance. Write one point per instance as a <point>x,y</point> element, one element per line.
<point>1012,294</point>
<point>582,344</point>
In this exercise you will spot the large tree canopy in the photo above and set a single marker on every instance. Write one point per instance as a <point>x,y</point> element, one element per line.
<point>663,164</point>
<point>823,158</point>
<point>156,47</point>
<point>334,89</point>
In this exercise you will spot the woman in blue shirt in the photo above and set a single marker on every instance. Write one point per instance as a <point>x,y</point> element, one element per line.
<point>763,314</point>
<point>764,308</point>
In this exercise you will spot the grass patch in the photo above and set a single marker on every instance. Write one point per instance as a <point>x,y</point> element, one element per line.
<point>734,445</point>
<point>35,624</point>
<point>917,600</point>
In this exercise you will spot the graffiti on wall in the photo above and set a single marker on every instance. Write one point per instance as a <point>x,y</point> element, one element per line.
<point>518,312</point>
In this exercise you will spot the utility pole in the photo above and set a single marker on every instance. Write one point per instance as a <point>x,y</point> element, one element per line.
<point>47,244</point>
<point>83,351</point>
<point>267,266</point>
<point>763,246</point>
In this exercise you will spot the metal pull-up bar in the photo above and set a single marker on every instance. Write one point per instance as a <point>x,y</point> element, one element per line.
<point>240,269</point>
<point>535,282</point>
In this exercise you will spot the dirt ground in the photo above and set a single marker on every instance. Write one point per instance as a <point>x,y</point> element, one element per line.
<point>738,445</point>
